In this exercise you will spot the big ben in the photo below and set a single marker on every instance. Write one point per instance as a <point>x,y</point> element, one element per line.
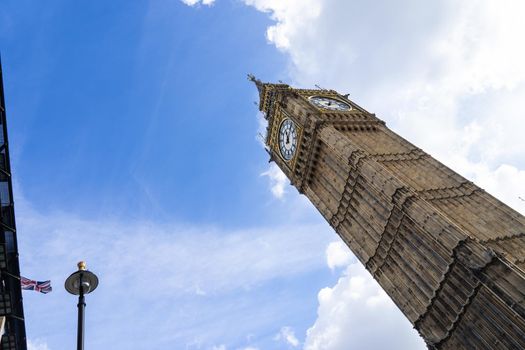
<point>450,255</point>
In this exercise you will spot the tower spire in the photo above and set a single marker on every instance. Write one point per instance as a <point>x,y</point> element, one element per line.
<point>256,81</point>
<point>260,86</point>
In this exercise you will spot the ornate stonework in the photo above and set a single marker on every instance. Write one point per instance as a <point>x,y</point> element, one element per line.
<point>451,256</point>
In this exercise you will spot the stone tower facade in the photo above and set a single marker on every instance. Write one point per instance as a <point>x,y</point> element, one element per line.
<point>450,255</point>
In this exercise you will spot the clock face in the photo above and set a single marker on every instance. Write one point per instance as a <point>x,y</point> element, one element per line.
<point>329,103</point>
<point>287,139</point>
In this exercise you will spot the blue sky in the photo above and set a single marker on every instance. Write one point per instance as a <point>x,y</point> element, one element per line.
<point>134,146</point>
<point>132,122</point>
<point>144,97</point>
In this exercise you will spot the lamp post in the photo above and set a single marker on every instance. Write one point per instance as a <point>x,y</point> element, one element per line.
<point>80,283</point>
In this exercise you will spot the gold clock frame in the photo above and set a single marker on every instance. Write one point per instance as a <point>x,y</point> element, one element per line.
<point>279,117</point>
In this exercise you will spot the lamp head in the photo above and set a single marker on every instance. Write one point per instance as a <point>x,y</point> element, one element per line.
<point>81,279</point>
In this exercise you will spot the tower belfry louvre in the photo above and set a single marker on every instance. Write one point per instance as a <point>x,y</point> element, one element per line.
<point>450,255</point>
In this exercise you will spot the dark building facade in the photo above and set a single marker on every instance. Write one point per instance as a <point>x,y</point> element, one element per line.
<point>450,255</point>
<point>11,308</point>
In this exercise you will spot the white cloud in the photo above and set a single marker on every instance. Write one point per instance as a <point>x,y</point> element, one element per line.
<point>198,2</point>
<point>262,124</point>
<point>36,344</point>
<point>171,258</point>
<point>338,255</point>
<point>203,280</point>
<point>357,314</point>
<point>278,180</point>
<point>290,17</point>
<point>287,335</point>
<point>219,347</point>
<point>446,75</point>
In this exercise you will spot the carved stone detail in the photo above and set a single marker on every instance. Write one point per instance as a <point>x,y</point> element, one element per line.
<point>449,255</point>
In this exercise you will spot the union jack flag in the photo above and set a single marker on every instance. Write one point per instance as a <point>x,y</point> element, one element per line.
<point>38,286</point>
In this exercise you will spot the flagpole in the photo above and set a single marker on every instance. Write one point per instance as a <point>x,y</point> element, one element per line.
<point>80,283</point>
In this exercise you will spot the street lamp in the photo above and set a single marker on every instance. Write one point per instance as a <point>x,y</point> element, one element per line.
<point>79,283</point>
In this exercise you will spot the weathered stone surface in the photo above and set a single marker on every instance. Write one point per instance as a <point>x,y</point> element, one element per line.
<point>449,255</point>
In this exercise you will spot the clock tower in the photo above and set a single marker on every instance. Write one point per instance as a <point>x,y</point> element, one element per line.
<point>450,255</point>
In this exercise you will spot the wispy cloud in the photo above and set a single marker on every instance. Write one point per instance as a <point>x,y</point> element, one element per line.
<point>36,344</point>
<point>201,279</point>
<point>278,180</point>
<point>287,335</point>
<point>198,2</point>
